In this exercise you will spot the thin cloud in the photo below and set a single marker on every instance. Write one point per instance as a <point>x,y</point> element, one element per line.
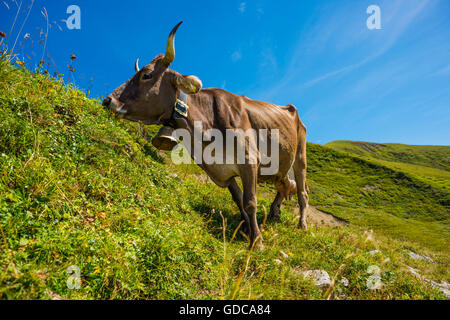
<point>398,18</point>
<point>269,62</point>
<point>445,71</point>
<point>242,7</point>
<point>401,23</point>
<point>236,56</point>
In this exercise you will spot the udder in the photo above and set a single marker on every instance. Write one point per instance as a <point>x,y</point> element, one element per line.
<point>287,188</point>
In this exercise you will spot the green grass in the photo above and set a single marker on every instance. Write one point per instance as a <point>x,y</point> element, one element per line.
<point>79,187</point>
<point>431,164</point>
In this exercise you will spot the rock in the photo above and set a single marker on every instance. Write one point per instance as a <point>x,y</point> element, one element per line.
<point>284,255</point>
<point>344,281</point>
<point>369,235</point>
<point>414,272</point>
<point>277,261</point>
<point>175,176</point>
<point>53,296</point>
<point>443,286</point>
<point>416,256</point>
<point>369,188</point>
<point>320,277</point>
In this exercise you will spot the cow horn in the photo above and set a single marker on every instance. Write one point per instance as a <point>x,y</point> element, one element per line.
<point>136,66</point>
<point>170,51</point>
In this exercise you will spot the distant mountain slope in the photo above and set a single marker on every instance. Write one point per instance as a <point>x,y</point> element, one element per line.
<point>431,164</point>
<point>429,156</point>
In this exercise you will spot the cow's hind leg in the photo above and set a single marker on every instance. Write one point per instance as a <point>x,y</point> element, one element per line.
<point>236,193</point>
<point>300,178</point>
<point>275,208</point>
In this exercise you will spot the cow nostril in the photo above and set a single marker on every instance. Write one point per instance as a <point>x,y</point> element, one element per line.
<point>107,102</point>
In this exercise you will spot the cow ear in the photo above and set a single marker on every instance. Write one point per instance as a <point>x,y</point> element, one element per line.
<point>188,84</point>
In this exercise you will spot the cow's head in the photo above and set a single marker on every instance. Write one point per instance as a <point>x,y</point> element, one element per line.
<point>150,95</point>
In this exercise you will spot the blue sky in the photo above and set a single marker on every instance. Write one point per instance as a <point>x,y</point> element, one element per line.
<point>348,82</point>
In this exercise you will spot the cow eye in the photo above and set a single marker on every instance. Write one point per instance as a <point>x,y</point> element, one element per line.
<point>147,76</point>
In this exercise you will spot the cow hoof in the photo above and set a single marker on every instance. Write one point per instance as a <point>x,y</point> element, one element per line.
<point>303,226</point>
<point>274,218</point>
<point>258,246</point>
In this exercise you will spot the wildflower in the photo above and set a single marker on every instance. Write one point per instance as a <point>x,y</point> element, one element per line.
<point>73,57</point>
<point>2,34</point>
<point>101,215</point>
<point>20,63</point>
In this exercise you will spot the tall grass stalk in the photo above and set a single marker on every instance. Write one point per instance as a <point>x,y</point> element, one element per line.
<point>222,280</point>
<point>45,14</point>
<point>14,22</point>
<point>244,269</point>
<point>23,24</point>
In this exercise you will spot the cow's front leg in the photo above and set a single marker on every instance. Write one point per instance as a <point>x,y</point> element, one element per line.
<point>249,176</point>
<point>236,193</point>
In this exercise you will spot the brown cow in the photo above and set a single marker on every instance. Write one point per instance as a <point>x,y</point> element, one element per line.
<point>151,96</point>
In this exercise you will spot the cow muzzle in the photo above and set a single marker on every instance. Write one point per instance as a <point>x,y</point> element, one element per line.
<point>114,105</point>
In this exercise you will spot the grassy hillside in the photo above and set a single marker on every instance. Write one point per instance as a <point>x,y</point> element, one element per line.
<point>81,188</point>
<point>428,156</point>
<point>431,164</point>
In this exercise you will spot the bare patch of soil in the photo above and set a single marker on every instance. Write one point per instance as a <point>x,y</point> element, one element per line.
<point>320,218</point>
